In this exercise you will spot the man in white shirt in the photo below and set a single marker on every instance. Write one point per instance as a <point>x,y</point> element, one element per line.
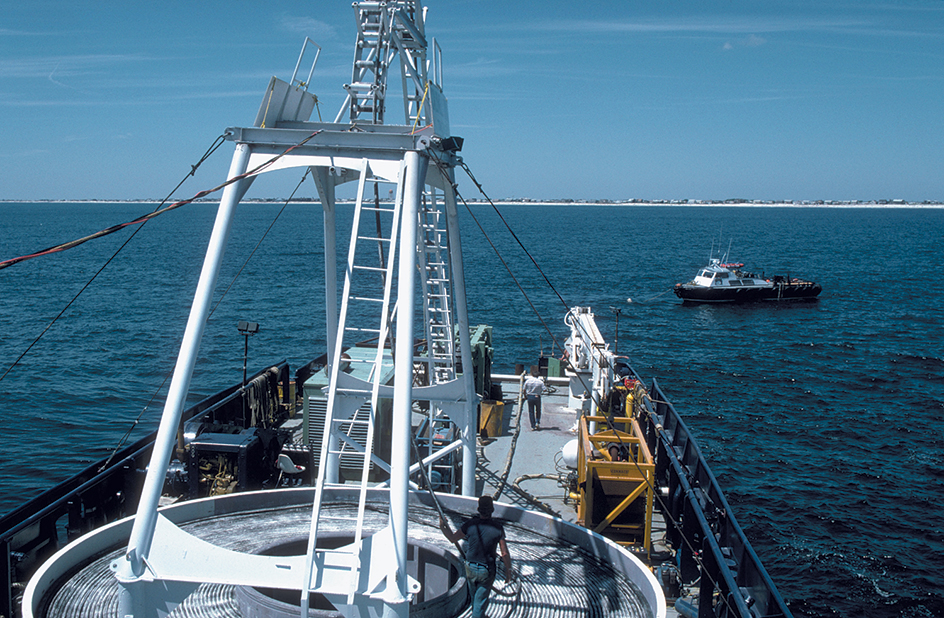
<point>533,389</point>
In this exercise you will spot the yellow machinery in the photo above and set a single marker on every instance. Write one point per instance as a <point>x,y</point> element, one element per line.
<point>615,476</point>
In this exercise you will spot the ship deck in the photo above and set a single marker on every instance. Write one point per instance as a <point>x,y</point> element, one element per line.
<point>558,578</point>
<point>530,462</point>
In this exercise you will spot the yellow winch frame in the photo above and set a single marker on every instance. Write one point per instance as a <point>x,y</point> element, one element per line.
<point>616,471</point>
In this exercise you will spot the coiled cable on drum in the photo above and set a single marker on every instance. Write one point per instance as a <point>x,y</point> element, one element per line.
<point>557,578</point>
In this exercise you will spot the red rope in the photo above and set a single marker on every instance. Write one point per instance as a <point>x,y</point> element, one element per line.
<point>151,215</point>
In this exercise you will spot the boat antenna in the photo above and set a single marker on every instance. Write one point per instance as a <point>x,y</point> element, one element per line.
<point>617,311</point>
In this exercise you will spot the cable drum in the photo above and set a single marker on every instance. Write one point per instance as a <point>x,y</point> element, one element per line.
<point>557,578</point>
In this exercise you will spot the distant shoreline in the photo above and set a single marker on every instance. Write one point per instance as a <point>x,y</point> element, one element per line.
<point>532,202</point>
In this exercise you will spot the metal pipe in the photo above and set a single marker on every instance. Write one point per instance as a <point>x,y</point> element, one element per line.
<point>395,602</point>
<point>429,459</point>
<point>142,533</point>
<point>468,430</point>
<point>245,362</point>
<point>325,182</point>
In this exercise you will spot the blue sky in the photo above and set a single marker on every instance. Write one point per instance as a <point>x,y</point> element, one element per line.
<point>616,100</point>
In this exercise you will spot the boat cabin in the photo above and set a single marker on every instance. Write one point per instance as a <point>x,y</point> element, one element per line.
<point>727,275</point>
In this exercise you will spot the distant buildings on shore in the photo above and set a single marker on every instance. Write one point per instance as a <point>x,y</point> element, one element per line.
<point>563,201</point>
<point>646,202</point>
<point>727,202</point>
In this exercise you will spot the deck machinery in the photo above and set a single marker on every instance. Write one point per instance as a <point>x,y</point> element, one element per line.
<point>635,456</point>
<point>615,468</point>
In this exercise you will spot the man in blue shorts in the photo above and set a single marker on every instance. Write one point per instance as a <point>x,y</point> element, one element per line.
<point>482,536</point>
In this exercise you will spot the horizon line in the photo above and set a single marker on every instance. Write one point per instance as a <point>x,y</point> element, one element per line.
<point>534,201</point>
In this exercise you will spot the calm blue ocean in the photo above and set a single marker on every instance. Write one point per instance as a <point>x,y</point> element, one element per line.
<point>822,420</point>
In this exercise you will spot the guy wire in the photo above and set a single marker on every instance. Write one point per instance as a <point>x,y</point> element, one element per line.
<point>193,168</point>
<point>137,420</point>
<point>650,483</point>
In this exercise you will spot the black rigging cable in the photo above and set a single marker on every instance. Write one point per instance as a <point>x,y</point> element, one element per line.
<point>193,168</point>
<point>142,220</point>
<point>515,236</point>
<point>446,176</point>
<point>510,272</point>
<point>533,261</point>
<point>650,483</point>
<point>75,243</point>
<point>137,420</point>
<point>508,268</point>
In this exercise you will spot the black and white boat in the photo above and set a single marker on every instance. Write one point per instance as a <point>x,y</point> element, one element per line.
<point>727,283</point>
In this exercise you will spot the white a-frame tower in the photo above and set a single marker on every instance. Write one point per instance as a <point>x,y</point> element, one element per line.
<point>402,283</point>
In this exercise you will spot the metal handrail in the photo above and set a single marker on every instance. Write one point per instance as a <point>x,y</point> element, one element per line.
<point>31,533</point>
<point>715,547</point>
